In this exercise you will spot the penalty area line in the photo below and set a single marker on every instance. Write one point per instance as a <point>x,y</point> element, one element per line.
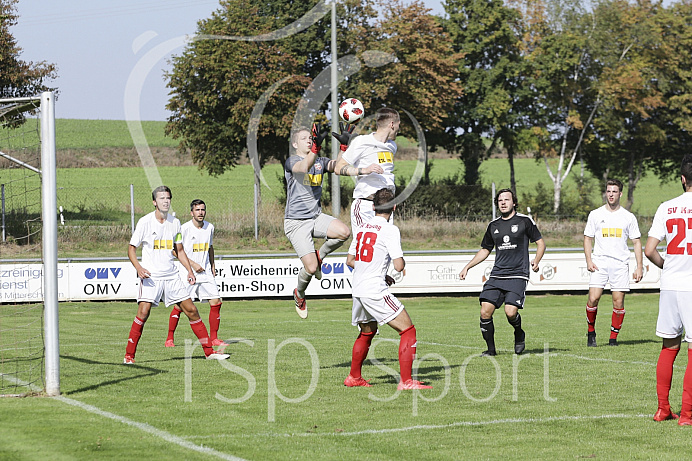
<point>121,419</point>
<point>168,437</point>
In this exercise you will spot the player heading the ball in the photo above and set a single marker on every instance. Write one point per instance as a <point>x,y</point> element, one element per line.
<point>371,159</point>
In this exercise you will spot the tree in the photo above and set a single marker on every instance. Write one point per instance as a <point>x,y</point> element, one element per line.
<point>421,79</point>
<point>19,78</point>
<point>215,84</point>
<point>627,134</point>
<point>485,32</point>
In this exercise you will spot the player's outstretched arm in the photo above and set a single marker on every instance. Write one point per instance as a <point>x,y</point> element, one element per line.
<point>540,251</point>
<point>639,271</point>
<point>588,250</point>
<point>481,256</point>
<point>652,253</point>
<point>132,255</point>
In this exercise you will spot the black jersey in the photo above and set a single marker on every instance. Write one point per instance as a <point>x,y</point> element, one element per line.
<point>510,238</point>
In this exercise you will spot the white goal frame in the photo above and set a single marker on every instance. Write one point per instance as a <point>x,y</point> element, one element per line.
<point>49,217</point>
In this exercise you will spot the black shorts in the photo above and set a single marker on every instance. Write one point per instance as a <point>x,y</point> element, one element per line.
<point>504,291</point>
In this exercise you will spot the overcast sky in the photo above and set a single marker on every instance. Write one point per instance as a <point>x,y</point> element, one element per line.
<point>101,45</point>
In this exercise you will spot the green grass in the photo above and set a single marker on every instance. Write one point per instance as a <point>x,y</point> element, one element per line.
<point>595,403</point>
<point>95,134</point>
<point>108,188</point>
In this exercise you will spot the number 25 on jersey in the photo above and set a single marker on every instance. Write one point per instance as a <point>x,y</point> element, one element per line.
<point>674,247</point>
<point>365,242</point>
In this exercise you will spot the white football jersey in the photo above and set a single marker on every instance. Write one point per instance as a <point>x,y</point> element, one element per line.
<point>196,243</point>
<point>673,223</point>
<point>365,150</point>
<point>374,245</point>
<point>611,229</point>
<point>157,240</point>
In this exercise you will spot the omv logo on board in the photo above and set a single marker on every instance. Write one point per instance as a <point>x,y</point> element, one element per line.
<point>336,268</point>
<point>102,273</point>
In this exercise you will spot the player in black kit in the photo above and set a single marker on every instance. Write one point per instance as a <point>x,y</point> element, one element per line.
<point>510,235</point>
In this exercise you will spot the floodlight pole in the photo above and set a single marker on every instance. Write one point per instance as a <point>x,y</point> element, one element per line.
<point>336,189</point>
<point>50,242</point>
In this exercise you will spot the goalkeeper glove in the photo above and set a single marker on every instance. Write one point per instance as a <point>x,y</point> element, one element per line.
<point>318,138</point>
<point>345,136</point>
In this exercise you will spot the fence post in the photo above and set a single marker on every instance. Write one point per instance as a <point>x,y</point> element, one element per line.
<point>493,199</point>
<point>256,212</point>
<point>2,193</point>
<point>132,206</point>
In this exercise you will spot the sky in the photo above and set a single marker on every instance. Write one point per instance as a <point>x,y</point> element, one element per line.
<point>111,54</point>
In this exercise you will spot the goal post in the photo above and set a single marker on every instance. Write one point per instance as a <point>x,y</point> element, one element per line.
<point>49,212</point>
<point>29,344</point>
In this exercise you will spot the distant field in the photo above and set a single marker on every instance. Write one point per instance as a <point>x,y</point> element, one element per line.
<point>88,188</point>
<point>94,134</point>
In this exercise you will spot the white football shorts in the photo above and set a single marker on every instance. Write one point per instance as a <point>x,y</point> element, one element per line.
<point>300,232</point>
<point>674,315</point>
<point>362,212</point>
<point>612,271</point>
<point>203,291</point>
<point>172,290</point>
<point>381,310</point>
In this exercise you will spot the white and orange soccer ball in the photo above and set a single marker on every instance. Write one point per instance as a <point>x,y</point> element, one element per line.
<point>351,110</point>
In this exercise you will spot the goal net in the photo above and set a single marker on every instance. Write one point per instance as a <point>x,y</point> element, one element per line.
<point>28,248</point>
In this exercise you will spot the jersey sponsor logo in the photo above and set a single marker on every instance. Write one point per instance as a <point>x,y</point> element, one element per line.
<point>200,247</point>
<point>312,180</point>
<point>385,157</point>
<point>163,244</point>
<point>514,228</point>
<point>611,232</point>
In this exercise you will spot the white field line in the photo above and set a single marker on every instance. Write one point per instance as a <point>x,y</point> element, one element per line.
<point>141,426</point>
<point>427,427</point>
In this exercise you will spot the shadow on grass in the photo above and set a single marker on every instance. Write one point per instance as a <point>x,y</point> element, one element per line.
<point>149,371</point>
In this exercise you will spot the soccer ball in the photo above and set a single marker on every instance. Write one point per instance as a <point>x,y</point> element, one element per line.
<point>351,110</point>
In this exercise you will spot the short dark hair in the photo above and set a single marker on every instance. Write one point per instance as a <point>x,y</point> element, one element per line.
<point>614,182</point>
<point>384,115</point>
<point>161,189</point>
<point>383,201</point>
<point>196,202</point>
<point>514,197</point>
<point>686,168</point>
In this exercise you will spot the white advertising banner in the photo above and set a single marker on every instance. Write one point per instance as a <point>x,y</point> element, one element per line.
<point>260,278</point>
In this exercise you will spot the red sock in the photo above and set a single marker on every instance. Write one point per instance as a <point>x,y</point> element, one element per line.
<point>664,375</point>
<point>135,334</point>
<point>407,352</point>
<point>201,332</point>
<point>214,320</point>
<point>616,322</point>
<point>591,317</point>
<point>686,409</point>
<point>173,322</point>
<point>360,351</point>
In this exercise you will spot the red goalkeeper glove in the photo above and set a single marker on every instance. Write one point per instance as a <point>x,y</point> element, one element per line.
<point>345,136</point>
<point>318,138</point>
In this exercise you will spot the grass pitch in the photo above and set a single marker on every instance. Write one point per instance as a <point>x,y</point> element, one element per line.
<point>281,395</point>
